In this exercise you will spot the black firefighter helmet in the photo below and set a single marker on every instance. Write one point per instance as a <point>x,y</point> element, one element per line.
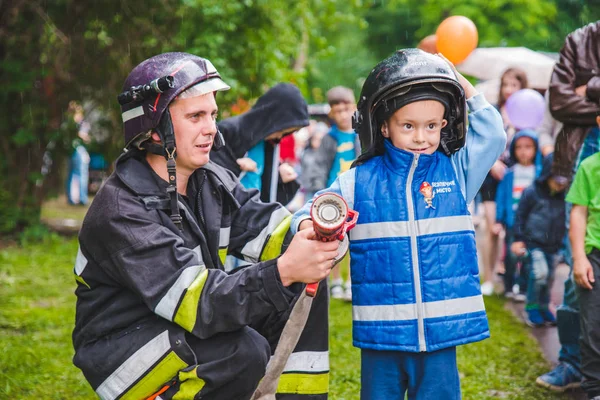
<point>407,76</point>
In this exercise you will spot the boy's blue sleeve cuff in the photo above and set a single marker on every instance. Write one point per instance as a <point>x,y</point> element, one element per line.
<point>477,102</point>
<point>295,226</point>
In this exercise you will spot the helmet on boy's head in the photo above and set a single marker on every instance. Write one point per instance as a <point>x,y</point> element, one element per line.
<point>407,76</point>
<point>148,99</point>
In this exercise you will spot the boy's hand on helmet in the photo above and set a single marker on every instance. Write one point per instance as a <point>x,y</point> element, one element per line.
<point>306,260</point>
<point>469,89</point>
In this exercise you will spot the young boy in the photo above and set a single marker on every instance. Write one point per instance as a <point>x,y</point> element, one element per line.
<point>527,164</point>
<point>339,148</point>
<point>584,234</point>
<point>415,279</point>
<point>538,234</point>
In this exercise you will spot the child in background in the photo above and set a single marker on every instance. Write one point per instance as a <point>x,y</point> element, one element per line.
<point>339,148</point>
<point>525,155</point>
<point>415,278</point>
<point>512,80</point>
<point>313,169</point>
<point>584,234</point>
<point>538,233</point>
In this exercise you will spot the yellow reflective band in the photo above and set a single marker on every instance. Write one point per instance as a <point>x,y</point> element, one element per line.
<point>223,255</point>
<point>190,385</point>
<point>188,309</point>
<point>80,280</point>
<point>304,383</point>
<point>272,248</point>
<point>156,378</point>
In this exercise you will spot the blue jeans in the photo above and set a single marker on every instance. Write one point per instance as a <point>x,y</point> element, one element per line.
<point>511,265</point>
<point>389,375</point>
<point>77,181</point>
<point>541,274</point>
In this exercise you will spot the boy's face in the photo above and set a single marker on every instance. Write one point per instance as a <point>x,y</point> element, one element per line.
<point>525,150</point>
<point>341,115</point>
<point>416,127</point>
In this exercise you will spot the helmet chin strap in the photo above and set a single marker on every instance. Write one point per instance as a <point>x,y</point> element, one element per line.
<point>168,150</point>
<point>165,131</point>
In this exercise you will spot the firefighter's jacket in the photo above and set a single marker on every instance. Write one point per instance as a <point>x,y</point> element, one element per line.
<point>135,265</point>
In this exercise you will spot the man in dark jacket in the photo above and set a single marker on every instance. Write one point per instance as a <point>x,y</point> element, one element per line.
<point>574,94</point>
<point>157,317</point>
<point>279,112</point>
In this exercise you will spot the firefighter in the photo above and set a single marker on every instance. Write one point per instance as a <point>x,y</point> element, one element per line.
<point>157,317</point>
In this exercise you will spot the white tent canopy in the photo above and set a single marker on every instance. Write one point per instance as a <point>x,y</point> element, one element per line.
<point>490,63</point>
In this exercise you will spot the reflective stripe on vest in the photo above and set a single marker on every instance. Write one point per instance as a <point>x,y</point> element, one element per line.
<point>429,226</point>
<point>406,312</point>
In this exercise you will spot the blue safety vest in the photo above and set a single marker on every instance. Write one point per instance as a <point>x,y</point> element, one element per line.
<point>415,278</point>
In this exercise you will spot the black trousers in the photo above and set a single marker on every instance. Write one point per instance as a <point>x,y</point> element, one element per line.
<point>589,301</point>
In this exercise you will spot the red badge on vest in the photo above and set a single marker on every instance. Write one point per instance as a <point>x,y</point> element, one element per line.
<point>427,191</point>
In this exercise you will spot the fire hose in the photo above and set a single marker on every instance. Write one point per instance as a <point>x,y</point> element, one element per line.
<point>331,220</point>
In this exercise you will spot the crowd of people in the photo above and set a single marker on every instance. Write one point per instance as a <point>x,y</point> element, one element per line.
<point>188,270</point>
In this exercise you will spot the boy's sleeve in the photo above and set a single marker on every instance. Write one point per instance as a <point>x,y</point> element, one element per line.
<point>526,203</point>
<point>580,189</point>
<point>304,212</point>
<point>485,142</point>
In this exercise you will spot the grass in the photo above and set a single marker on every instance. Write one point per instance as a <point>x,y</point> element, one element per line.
<point>37,316</point>
<point>58,208</point>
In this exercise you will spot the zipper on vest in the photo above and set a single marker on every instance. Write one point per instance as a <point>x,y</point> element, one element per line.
<point>412,228</point>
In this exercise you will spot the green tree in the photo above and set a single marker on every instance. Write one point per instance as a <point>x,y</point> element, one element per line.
<point>63,50</point>
<point>537,24</point>
<point>53,53</point>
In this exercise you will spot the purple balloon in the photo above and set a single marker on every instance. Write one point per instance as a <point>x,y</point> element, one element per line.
<point>525,109</point>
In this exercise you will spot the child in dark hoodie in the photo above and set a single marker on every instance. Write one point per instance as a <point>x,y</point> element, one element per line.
<point>539,231</point>
<point>527,163</point>
<point>256,134</point>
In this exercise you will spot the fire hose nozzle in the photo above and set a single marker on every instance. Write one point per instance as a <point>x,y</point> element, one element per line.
<point>331,220</point>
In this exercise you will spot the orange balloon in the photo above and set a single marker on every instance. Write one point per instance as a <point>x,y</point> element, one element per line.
<point>428,44</point>
<point>456,38</point>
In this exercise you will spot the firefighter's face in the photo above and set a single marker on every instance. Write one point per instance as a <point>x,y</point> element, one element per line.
<point>194,123</point>
<point>416,127</point>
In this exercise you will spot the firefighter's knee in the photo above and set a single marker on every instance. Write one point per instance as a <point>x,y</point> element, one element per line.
<point>253,354</point>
